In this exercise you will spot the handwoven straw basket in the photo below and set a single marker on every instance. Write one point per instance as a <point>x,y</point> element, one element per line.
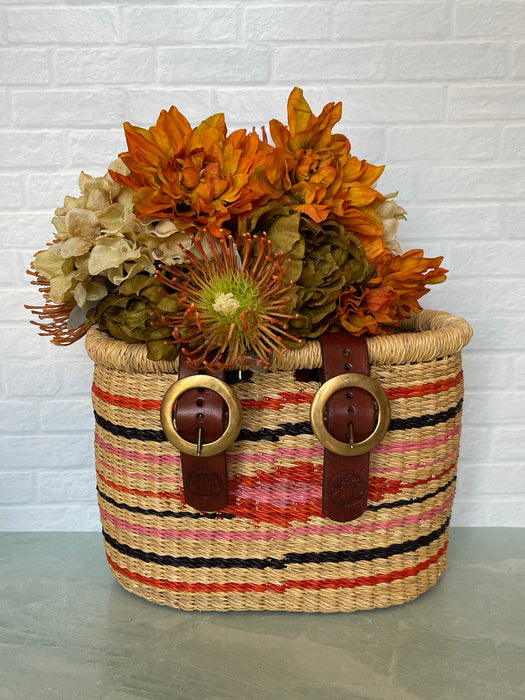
<point>272,548</point>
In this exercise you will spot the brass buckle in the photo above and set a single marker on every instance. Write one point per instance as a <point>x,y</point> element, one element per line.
<point>201,381</point>
<point>345,381</point>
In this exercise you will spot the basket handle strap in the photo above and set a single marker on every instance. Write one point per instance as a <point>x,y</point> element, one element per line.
<point>350,414</point>
<point>204,479</point>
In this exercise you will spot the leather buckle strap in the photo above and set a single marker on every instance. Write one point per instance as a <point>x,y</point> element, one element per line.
<point>199,417</point>
<point>201,448</point>
<point>350,419</point>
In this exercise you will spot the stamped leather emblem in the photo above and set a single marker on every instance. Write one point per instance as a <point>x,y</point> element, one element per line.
<point>205,483</point>
<point>345,489</point>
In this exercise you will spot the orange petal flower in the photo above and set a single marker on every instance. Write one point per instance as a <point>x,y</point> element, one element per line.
<point>392,294</point>
<point>312,170</point>
<point>199,178</point>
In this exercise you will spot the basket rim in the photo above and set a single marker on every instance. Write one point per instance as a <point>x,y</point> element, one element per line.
<point>426,336</point>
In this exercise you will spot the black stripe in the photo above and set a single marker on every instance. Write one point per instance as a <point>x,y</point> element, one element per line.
<point>283,429</point>
<point>304,428</point>
<point>428,419</point>
<point>419,499</point>
<point>165,513</point>
<point>274,563</point>
<point>130,433</point>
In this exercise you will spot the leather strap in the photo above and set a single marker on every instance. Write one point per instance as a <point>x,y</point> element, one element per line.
<point>345,479</point>
<point>205,479</point>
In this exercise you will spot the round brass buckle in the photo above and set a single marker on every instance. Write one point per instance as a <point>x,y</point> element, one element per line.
<point>345,381</point>
<point>201,381</point>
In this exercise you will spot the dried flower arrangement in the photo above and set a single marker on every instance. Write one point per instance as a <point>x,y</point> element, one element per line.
<point>230,245</point>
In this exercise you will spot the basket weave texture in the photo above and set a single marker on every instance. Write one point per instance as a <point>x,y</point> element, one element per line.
<point>272,548</point>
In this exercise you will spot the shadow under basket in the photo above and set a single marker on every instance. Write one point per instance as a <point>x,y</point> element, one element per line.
<point>272,548</point>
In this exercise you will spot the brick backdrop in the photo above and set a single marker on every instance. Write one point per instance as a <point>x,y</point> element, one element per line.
<point>433,88</point>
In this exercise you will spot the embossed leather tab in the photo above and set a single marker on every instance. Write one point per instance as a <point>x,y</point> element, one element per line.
<point>205,479</point>
<point>345,479</point>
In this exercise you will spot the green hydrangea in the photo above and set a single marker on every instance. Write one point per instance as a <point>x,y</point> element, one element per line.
<point>126,315</point>
<point>324,258</point>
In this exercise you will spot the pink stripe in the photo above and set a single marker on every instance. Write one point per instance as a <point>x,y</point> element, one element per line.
<point>418,465</point>
<point>282,453</point>
<point>281,535</point>
<point>258,457</point>
<point>244,457</point>
<point>264,494</point>
<point>135,475</point>
<point>138,456</point>
<point>284,492</point>
<point>417,444</point>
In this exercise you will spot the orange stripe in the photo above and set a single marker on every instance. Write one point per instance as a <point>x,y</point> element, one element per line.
<point>309,473</point>
<point>378,486</point>
<point>167,495</point>
<point>271,513</point>
<point>287,398</point>
<point>299,472</point>
<point>306,584</point>
<point>247,508</point>
<point>251,509</point>
<point>424,389</point>
<point>126,401</point>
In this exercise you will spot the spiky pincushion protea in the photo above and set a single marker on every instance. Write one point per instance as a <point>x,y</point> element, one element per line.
<point>231,309</point>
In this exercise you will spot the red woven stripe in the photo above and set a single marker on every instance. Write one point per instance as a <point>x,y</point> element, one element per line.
<point>299,472</point>
<point>126,401</point>
<point>166,495</point>
<point>286,399</point>
<point>292,584</point>
<point>309,473</point>
<point>272,514</point>
<point>241,508</point>
<point>251,509</point>
<point>282,517</point>
<point>276,404</point>
<point>424,389</point>
<point>378,486</point>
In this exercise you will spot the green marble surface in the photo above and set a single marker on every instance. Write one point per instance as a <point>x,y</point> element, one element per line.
<point>68,631</point>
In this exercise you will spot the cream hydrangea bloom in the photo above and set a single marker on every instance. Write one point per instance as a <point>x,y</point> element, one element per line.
<point>163,240</point>
<point>390,212</point>
<point>96,241</point>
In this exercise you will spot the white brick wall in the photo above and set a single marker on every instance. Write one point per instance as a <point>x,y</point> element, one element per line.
<point>433,88</point>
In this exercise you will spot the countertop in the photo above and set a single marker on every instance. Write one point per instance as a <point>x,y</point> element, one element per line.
<point>68,631</point>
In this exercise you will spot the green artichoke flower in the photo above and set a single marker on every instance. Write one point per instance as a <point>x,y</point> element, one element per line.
<point>324,258</point>
<point>126,314</point>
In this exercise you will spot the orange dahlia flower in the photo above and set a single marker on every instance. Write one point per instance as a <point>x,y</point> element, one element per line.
<point>196,177</point>
<point>312,170</point>
<point>391,295</point>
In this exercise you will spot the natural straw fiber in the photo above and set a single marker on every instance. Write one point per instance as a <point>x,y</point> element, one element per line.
<point>272,548</point>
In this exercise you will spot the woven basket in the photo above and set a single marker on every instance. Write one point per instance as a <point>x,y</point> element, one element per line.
<point>272,548</point>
